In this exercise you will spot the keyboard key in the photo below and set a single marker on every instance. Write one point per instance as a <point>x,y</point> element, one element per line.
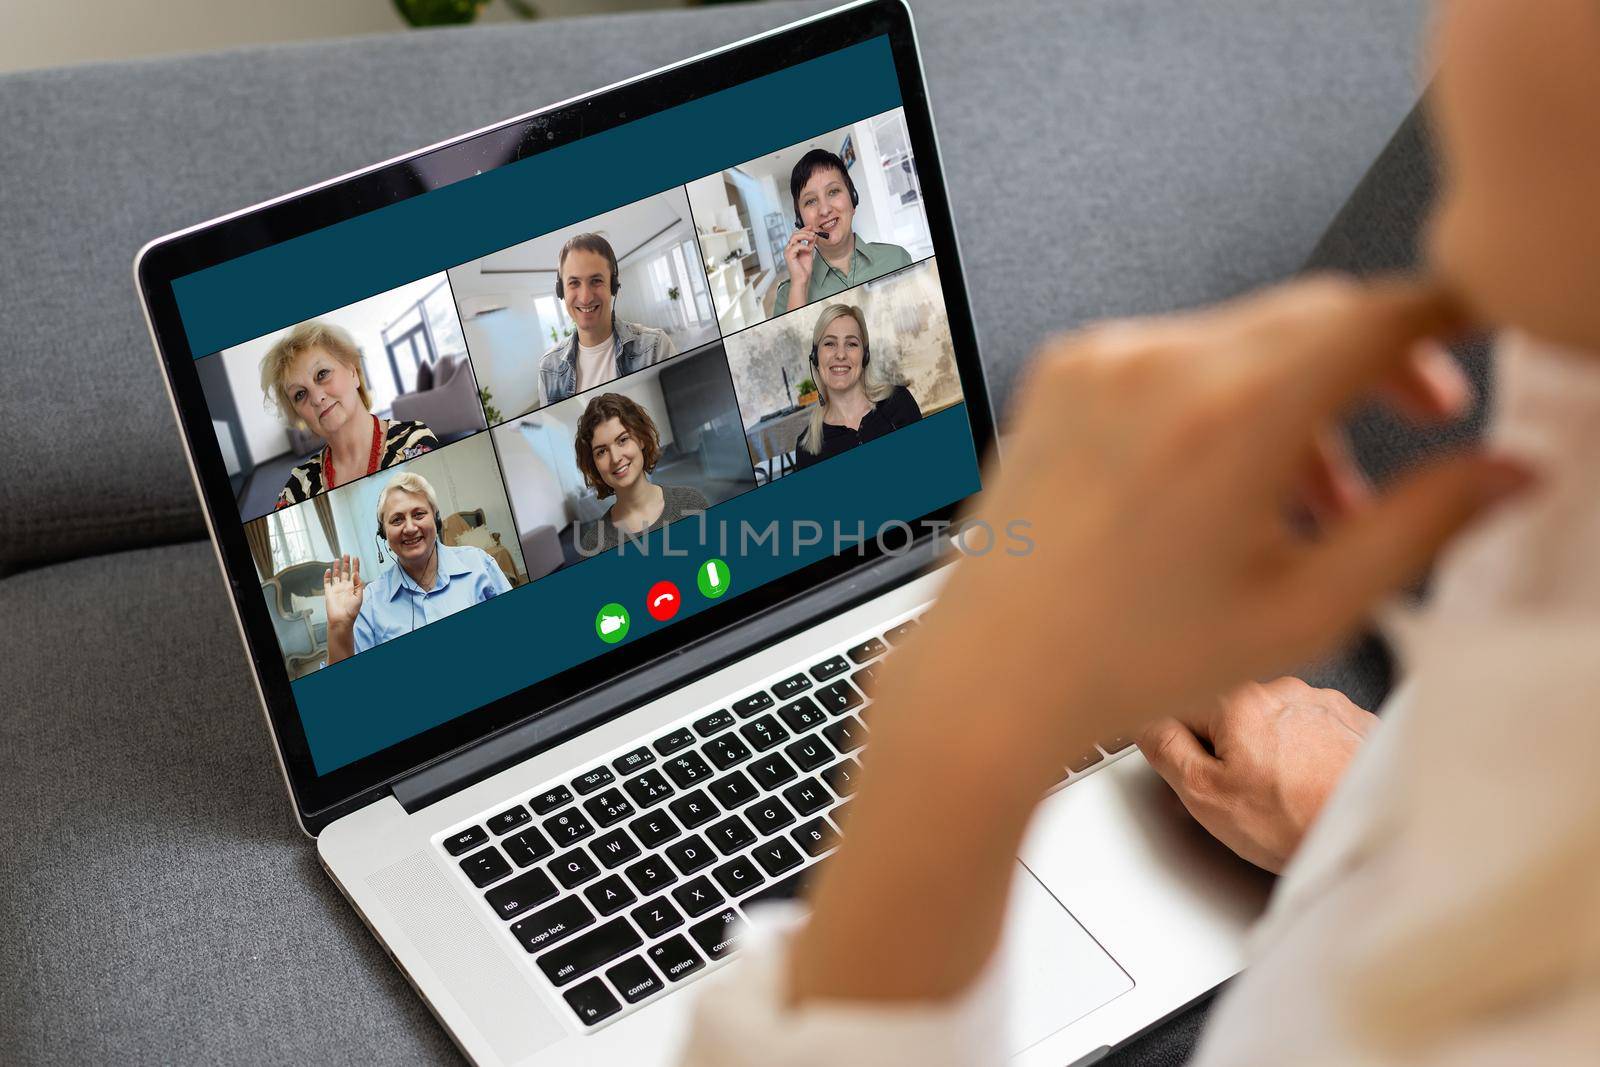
<point>525,891</point>
<point>764,733</point>
<point>898,634</point>
<point>675,959</point>
<point>693,809</point>
<point>550,800</point>
<point>810,752</point>
<point>839,697</point>
<point>1116,744</point>
<point>726,751</point>
<point>654,830</point>
<point>687,769</point>
<point>635,979</point>
<point>507,821</point>
<point>769,815</point>
<point>714,723</point>
<point>733,790</point>
<point>1082,763</point>
<point>649,788</point>
<point>651,875</point>
<point>674,741</point>
<point>612,807</point>
<point>842,777</point>
<point>771,771</point>
<point>459,842</point>
<point>777,856</point>
<point>592,1001</point>
<point>485,867</point>
<point>866,678</point>
<point>718,935</point>
<point>871,648</point>
<point>753,703</point>
<point>792,687</point>
<point>614,849</point>
<point>656,917</point>
<point>528,847</point>
<point>846,734</point>
<point>555,923</point>
<point>588,783</point>
<point>828,668</point>
<point>802,714</point>
<point>690,854</point>
<point>568,827</point>
<point>816,836</point>
<point>738,876</point>
<point>610,895</point>
<point>637,760</point>
<point>596,948</point>
<point>574,868</point>
<point>730,835</point>
<point>808,796</point>
<point>697,897</point>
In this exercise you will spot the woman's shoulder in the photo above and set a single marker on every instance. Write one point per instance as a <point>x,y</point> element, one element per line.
<point>685,498</point>
<point>305,481</point>
<point>407,440</point>
<point>902,400</point>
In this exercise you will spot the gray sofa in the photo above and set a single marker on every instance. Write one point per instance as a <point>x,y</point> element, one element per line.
<point>159,905</point>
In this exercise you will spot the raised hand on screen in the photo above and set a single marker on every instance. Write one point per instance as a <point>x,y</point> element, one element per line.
<point>342,586</point>
<point>798,255</point>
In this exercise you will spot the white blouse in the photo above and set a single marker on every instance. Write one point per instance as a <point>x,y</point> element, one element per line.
<point>1444,911</point>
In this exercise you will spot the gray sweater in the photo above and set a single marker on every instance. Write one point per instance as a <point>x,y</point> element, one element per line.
<point>602,535</point>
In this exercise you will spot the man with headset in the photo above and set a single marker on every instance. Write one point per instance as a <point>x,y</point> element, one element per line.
<point>604,347</point>
<point>824,254</point>
<point>427,582</point>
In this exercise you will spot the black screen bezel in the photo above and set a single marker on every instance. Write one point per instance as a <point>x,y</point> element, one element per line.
<point>320,799</point>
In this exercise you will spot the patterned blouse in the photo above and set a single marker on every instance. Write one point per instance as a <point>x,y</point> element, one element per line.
<point>399,442</point>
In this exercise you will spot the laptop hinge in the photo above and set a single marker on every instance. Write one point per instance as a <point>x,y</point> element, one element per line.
<point>493,754</point>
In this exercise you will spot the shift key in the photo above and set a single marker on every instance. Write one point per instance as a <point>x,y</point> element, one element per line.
<point>556,923</point>
<point>594,949</point>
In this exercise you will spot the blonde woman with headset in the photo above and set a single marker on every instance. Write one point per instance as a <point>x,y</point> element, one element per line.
<point>856,403</point>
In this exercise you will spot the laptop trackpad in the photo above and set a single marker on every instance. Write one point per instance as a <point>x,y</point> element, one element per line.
<point>1057,972</point>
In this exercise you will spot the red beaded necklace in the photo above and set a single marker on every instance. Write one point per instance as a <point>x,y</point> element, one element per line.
<point>372,461</point>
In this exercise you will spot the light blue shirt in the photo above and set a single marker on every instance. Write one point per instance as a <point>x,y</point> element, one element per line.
<point>394,604</point>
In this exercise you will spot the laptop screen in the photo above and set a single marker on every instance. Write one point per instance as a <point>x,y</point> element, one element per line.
<point>507,427</point>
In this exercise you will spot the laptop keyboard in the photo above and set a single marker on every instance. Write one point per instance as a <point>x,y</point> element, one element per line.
<point>626,880</point>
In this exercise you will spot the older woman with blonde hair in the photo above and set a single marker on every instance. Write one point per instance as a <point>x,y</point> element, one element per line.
<point>857,403</point>
<point>428,581</point>
<point>312,374</point>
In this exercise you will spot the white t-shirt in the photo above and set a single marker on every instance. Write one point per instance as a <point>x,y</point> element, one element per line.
<point>596,365</point>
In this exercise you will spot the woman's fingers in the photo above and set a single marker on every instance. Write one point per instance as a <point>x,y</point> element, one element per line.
<point>1430,387</point>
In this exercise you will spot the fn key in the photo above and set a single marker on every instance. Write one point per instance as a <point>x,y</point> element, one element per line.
<point>592,1001</point>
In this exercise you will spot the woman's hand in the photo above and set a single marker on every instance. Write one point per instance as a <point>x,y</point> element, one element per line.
<point>799,254</point>
<point>1255,767</point>
<point>342,590</point>
<point>1154,464</point>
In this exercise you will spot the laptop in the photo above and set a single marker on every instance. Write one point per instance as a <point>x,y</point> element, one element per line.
<point>565,604</point>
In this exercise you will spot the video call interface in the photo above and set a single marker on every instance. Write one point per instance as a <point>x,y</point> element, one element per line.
<point>417,455</point>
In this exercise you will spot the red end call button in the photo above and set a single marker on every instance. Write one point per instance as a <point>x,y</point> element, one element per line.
<point>663,601</point>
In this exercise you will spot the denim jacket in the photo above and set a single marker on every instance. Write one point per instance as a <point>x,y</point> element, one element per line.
<point>636,347</point>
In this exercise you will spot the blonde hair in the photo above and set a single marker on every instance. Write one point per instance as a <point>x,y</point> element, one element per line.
<point>314,334</point>
<point>872,381</point>
<point>408,482</point>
